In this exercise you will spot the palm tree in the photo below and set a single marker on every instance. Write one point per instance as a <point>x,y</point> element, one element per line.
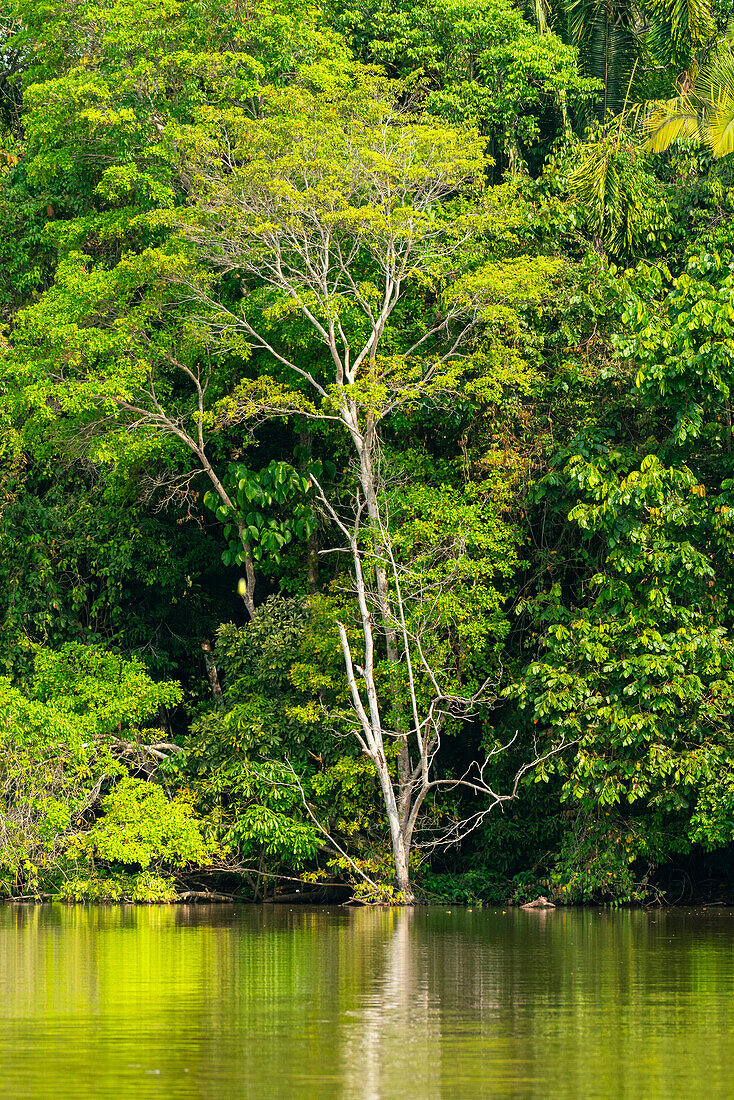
<point>703,112</point>
<point>677,28</point>
<point>611,34</point>
<point>608,43</point>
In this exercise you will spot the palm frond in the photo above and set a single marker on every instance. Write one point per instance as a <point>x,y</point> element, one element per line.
<point>705,114</point>
<point>720,130</point>
<point>676,120</point>
<point>608,44</point>
<point>677,28</point>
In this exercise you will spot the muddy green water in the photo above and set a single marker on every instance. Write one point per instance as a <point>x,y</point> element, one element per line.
<point>281,1003</point>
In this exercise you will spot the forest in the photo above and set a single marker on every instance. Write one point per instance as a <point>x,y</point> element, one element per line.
<point>366,464</point>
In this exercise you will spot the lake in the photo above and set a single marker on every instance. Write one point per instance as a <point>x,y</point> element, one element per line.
<point>278,1002</point>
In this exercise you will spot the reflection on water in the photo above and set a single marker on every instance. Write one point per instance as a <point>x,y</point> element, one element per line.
<point>366,1005</point>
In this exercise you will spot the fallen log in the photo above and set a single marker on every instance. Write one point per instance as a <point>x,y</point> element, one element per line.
<point>207,895</point>
<point>539,903</point>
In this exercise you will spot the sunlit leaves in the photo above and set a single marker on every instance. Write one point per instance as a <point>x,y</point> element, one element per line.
<point>140,826</point>
<point>704,112</point>
<point>62,742</point>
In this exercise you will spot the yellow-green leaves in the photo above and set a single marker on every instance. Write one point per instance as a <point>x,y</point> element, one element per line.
<point>61,743</point>
<point>704,112</point>
<point>141,826</point>
<point>105,691</point>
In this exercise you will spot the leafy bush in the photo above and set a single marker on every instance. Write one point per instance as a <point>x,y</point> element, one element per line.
<point>145,887</point>
<point>140,825</point>
<point>62,744</point>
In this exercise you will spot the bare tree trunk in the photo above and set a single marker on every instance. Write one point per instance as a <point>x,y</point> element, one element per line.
<point>247,590</point>
<point>369,488</point>
<point>397,806</point>
<point>402,869</point>
<point>312,543</point>
<point>400,849</point>
<point>312,564</point>
<point>211,669</point>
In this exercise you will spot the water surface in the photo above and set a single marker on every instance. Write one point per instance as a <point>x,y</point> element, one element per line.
<point>220,1001</point>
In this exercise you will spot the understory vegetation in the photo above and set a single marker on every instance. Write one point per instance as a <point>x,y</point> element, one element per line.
<point>366,450</point>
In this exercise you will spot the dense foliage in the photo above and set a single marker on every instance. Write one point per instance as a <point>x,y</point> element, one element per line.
<point>367,474</point>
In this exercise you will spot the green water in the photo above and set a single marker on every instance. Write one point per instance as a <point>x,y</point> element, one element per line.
<point>278,1003</point>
